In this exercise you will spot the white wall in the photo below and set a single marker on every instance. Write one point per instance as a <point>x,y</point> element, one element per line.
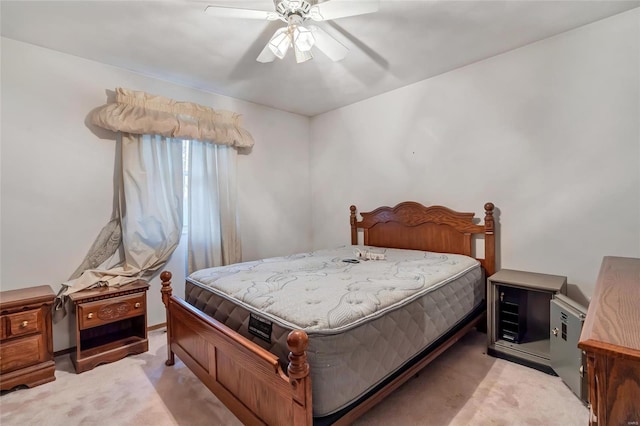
<point>548,132</point>
<point>57,174</point>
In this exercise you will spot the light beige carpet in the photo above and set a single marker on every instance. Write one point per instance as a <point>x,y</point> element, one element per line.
<point>462,387</point>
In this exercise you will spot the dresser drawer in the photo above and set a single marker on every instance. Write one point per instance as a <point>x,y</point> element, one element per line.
<point>21,323</point>
<point>101,312</point>
<point>23,352</point>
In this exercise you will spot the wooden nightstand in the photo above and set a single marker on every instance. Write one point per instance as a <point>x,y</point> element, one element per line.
<point>518,316</point>
<point>26,344</point>
<point>111,323</point>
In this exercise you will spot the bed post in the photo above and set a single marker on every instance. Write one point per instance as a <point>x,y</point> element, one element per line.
<point>354,229</point>
<point>298,370</point>
<point>166,296</point>
<point>489,240</point>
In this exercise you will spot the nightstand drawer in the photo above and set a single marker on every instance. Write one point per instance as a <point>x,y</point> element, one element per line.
<point>114,309</point>
<point>19,353</point>
<point>23,323</point>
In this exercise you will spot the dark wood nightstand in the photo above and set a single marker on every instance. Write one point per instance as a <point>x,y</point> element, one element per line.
<point>111,324</point>
<point>26,344</point>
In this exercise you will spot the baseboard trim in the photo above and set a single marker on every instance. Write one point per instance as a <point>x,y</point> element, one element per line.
<point>64,351</point>
<point>157,326</point>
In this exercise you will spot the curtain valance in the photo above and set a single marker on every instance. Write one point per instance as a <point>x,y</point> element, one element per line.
<point>141,113</point>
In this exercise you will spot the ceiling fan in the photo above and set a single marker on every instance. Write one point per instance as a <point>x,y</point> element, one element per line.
<point>301,38</point>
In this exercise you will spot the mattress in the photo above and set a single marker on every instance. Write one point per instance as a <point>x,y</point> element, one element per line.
<point>365,320</point>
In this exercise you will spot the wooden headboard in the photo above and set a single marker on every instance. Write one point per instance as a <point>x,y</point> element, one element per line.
<point>411,225</point>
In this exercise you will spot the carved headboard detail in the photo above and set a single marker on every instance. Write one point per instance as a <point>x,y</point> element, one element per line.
<point>411,225</point>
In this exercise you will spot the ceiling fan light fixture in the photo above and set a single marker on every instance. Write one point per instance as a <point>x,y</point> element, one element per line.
<point>302,55</point>
<point>302,38</point>
<point>280,42</point>
<point>296,13</point>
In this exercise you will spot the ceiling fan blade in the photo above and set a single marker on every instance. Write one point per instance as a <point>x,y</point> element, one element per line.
<point>360,45</point>
<point>266,55</point>
<point>328,45</point>
<point>232,12</point>
<point>335,9</point>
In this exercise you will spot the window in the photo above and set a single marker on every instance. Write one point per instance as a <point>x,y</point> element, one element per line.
<point>185,185</point>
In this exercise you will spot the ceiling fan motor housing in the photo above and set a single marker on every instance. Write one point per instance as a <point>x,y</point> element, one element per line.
<point>287,8</point>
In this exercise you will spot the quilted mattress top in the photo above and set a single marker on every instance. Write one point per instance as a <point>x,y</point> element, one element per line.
<point>321,294</point>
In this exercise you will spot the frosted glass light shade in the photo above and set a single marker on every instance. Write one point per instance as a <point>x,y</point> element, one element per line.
<point>302,55</point>
<point>280,42</point>
<point>302,38</point>
<point>299,37</point>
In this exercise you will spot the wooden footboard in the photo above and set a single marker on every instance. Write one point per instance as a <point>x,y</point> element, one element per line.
<point>245,377</point>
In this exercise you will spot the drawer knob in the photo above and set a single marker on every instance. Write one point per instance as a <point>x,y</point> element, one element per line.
<point>24,324</point>
<point>137,305</point>
<point>90,315</point>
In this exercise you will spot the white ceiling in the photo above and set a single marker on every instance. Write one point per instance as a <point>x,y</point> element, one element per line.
<point>404,42</point>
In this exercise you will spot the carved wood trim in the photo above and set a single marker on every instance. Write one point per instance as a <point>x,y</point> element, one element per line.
<point>113,310</point>
<point>411,213</point>
<point>166,291</point>
<point>435,228</point>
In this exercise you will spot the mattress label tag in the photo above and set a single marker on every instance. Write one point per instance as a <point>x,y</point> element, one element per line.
<point>260,327</point>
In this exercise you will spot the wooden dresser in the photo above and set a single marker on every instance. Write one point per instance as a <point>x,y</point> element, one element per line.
<point>111,324</point>
<point>611,339</point>
<point>26,345</point>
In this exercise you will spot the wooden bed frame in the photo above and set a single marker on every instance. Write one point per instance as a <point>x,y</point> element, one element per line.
<point>250,381</point>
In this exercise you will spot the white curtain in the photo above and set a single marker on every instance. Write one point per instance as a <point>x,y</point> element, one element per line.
<point>150,212</point>
<point>213,235</point>
<point>146,226</point>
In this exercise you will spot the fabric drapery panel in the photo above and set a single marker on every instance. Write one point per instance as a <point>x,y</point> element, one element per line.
<point>152,222</point>
<point>140,113</point>
<point>213,236</point>
<point>109,241</point>
<point>150,214</point>
<point>146,226</point>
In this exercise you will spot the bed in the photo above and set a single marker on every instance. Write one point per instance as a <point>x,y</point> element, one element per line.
<point>271,336</point>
